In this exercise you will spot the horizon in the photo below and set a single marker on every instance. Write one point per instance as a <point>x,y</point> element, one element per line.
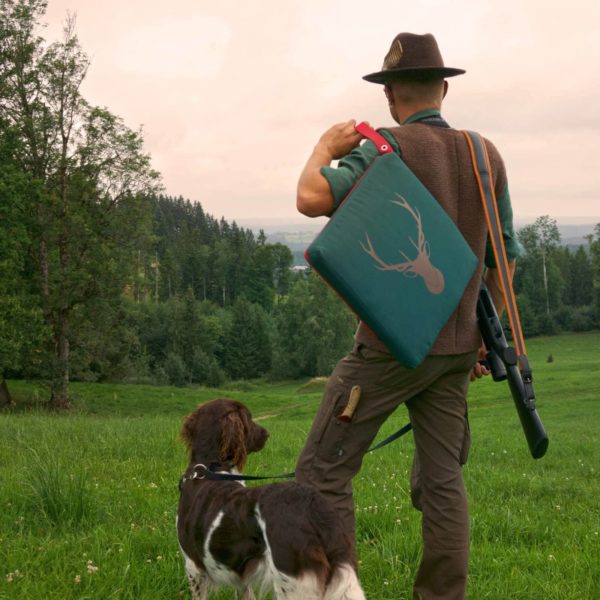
<point>565,221</point>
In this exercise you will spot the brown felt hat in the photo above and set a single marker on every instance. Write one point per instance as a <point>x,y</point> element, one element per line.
<point>413,56</point>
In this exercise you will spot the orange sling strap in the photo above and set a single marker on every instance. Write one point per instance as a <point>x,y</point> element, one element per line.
<point>515,364</point>
<point>483,174</point>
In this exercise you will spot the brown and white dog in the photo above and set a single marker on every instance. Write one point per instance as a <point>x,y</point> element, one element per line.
<point>283,537</point>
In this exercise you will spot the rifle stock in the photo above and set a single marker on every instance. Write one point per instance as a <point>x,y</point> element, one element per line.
<point>504,364</point>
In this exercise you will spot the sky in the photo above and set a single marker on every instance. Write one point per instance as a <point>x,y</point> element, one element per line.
<point>233,95</point>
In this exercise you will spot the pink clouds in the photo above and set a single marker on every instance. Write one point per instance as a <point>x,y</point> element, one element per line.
<point>233,95</point>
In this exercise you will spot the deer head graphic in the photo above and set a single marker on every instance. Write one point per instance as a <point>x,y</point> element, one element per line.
<point>420,266</point>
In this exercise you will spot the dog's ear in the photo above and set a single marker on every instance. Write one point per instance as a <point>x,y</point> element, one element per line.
<point>188,430</point>
<point>233,440</point>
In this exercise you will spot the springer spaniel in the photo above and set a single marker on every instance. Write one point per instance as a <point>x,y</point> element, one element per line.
<point>282,537</point>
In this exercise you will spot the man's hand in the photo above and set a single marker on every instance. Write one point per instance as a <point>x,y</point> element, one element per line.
<point>479,370</point>
<point>339,140</point>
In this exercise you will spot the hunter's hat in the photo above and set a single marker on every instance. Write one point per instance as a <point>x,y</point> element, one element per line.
<point>413,56</point>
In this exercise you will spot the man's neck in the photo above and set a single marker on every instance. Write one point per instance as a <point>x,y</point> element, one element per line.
<point>405,111</point>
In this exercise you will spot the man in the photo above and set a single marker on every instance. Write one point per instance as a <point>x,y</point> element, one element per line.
<point>413,76</point>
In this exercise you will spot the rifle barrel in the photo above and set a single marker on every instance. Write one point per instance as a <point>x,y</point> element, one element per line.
<point>501,359</point>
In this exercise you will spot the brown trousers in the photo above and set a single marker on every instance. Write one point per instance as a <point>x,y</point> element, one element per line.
<point>435,394</point>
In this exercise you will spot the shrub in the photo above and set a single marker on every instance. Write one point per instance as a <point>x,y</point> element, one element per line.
<point>583,319</point>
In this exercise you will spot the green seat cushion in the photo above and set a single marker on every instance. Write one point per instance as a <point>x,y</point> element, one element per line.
<point>395,256</point>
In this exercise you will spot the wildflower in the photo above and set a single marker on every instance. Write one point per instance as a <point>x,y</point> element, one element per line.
<point>78,579</point>
<point>91,567</point>
<point>153,486</point>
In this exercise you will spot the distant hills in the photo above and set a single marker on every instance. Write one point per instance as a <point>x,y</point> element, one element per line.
<point>295,234</point>
<point>575,235</point>
<point>298,234</point>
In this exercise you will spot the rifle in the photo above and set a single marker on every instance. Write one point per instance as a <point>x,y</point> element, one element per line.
<point>504,364</point>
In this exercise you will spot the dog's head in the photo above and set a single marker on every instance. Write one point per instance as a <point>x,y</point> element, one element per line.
<point>223,431</point>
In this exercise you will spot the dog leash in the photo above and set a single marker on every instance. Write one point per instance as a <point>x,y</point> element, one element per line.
<point>209,472</point>
<point>391,438</point>
<point>212,475</point>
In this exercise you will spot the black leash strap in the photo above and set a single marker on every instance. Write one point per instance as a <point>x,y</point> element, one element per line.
<point>392,437</point>
<point>203,472</point>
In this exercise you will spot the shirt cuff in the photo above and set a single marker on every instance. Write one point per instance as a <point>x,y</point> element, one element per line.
<point>340,183</point>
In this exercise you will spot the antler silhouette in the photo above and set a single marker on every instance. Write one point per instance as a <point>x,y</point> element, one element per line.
<point>418,267</point>
<point>383,266</point>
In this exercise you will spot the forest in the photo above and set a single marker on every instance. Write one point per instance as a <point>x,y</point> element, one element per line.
<point>104,277</point>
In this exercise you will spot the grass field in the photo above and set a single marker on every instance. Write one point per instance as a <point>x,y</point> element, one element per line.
<point>88,499</point>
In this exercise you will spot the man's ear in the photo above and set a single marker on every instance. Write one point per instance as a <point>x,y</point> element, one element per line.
<point>445,89</point>
<point>387,90</point>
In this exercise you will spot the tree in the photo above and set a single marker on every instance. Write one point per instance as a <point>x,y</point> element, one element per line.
<point>21,324</point>
<point>282,262</point>
<point>580,284</point>
<point>314,329</point>
<point>549,238</point>
<point>595,253</point>
<point>540,240</point>
<point>247,343</point>
<point>92,170</point>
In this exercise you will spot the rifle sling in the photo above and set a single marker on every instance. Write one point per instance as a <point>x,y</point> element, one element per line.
<point>483,174</point>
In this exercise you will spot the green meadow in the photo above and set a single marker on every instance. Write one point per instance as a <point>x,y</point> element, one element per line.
<point>88,499</point>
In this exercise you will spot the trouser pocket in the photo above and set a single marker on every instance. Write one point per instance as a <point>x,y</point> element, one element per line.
<point>334,432</point>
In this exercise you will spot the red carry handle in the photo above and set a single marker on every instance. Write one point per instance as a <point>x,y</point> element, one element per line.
<point>383,146</point>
